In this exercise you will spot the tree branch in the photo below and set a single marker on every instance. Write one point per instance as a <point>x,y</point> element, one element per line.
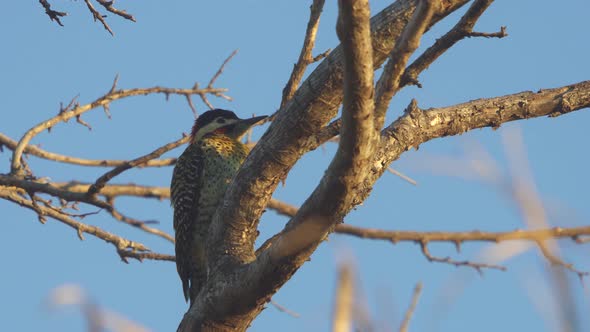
<point>389,82</point>
<point>114,190</point>
<point>98,17</point>
<point>104,101</point>
<point>357,138</point>
<point>287,139</point>
<point>305,57</point>
<point>102,180</point>
<point>108,5</point>
<point>125,248</point>
<point>463,28</point>
<point>344,302</point>
<point>458,238</point>
<point>54,15</point>
<point>38,152</point>
<point>410,312</point>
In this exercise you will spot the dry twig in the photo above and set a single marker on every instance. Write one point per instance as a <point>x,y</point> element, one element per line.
<point>102,180</point>
<point>54,15</point>
<point>98,17</point>
<point>124,246</point>
<point>305,57</point>
<point>463,29</point>
<point>66,114</point>
<point>410,312</point>
<point>38,152</point>
<point>389,82</point>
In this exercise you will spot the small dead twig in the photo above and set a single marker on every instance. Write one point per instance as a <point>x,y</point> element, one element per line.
<point>410,312</point>
<point>98,17</point>
<point>285,309</point>
<point>305,57</point>
<point>54,15</point>
<point>76,110</point>
<point>463,29</point>
<point>102,180</point>
<point>447,260</point>
<point>108,5</point>
<point>407,43</point>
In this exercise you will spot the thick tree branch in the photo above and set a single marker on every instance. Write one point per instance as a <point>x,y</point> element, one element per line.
<point>357,138</point>
<point>464,28</point>
<point>314,104</point>
<point>417,126</point>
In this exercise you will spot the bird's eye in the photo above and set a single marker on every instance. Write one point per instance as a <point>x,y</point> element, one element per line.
<point>221,120</point>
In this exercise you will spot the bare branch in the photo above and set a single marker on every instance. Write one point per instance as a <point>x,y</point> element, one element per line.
<point>102,180</point>
<point>120,243</point>
<point>114,190</point>
<point>221,68</point>
<point>108,5</point>
<point>98,17</point>
<point>463,28</point>
<point>500,34</point>
<point>285,309</point>
<point>448,260</point>
<point>73,193</point>
<point>38,152</point>
<point>555,260</point>
<point>305,57</point>
<point>402,176</point>
<point>410,312</point>
<point>65,115</point>
<point>357,139</point>
<point>137,223</point>
<point>267,165</point>
<point>54,15</point>
<point>344,301</point>
<point>140,256</point>
<point>459,238</point>
<point>288,136</point>
<point>33,186</point>
<point>456,238</point>
<point>389,82</point>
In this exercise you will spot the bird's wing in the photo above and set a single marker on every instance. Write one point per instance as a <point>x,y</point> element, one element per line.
<point>184,195</point>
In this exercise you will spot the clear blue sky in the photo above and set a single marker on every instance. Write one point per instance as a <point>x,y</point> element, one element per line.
<point>176,43</point>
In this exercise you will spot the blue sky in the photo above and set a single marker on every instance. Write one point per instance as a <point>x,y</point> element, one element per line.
<point>177,43</point>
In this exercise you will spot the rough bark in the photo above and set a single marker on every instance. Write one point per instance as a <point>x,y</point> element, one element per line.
<point>242,281</point>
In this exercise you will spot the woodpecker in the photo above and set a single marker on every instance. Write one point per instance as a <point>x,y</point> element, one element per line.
<point>199,180</point>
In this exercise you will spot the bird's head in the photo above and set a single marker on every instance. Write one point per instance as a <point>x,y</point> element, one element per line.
<point>222,122</point>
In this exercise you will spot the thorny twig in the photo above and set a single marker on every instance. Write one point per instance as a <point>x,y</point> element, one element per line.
<point>66,114</point>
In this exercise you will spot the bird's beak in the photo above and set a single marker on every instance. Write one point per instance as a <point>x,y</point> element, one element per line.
<point>242,126</point>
